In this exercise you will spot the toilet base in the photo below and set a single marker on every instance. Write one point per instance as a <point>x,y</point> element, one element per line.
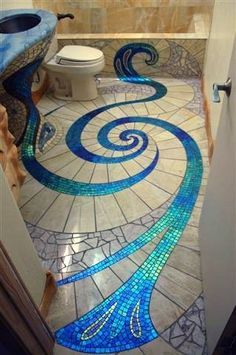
<point>84,88</point>
<point>74,87</point>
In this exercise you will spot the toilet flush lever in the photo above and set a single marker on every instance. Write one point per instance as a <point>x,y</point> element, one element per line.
<point>227,86</point>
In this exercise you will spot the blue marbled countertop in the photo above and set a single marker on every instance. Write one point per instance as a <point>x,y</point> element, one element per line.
<point>14,44</point>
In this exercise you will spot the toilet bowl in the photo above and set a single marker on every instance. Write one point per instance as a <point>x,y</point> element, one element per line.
<point>72,72</point>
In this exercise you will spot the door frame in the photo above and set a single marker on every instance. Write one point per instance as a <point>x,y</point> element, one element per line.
<point>19,311</point>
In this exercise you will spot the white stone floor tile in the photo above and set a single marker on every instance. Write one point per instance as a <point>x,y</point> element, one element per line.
<point>132,206</point>
<point>108,213</point>
<point>150,194</point>
<point>55,218</point>
<point>81,217</point>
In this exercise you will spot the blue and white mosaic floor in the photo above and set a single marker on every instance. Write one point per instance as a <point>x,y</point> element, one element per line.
<point>122,238</point>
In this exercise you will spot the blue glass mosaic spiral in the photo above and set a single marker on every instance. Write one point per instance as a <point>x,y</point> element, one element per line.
<point>18,86</point>
<point>122,321</point>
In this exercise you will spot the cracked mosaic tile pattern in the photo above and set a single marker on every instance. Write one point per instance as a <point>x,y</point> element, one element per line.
<point>188,333</point>
<point>53,246</point>
<point>123,260</point>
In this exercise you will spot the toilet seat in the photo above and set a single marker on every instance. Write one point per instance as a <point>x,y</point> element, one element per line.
<point>76,68</point>
<point>79,56</point>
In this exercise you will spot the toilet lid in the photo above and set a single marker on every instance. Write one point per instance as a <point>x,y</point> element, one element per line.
<point>75,54</point>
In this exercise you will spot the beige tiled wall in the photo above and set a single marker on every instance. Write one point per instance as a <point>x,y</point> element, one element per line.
<point>15,4</point>
<point>130,16</point>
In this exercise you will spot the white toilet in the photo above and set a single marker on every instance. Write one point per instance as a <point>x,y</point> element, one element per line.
<point>72,72</point>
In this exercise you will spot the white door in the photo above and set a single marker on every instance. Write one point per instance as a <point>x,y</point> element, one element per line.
<point>218,222</point>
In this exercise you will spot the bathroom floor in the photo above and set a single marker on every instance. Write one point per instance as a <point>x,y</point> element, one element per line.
<point>128,253</point>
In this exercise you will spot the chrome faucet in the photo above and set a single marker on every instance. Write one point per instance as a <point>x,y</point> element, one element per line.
<point>227,86</point>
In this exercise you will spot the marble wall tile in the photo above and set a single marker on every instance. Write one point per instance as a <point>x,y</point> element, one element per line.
<point>125,3</point>
<point>124,16</point>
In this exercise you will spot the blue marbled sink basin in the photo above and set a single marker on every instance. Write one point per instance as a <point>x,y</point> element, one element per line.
<point>21,30</point>
<point>19,23</point>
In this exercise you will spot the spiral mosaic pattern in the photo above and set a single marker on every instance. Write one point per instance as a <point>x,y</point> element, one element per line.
<point>122,321</point>
<point>73,138</point>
